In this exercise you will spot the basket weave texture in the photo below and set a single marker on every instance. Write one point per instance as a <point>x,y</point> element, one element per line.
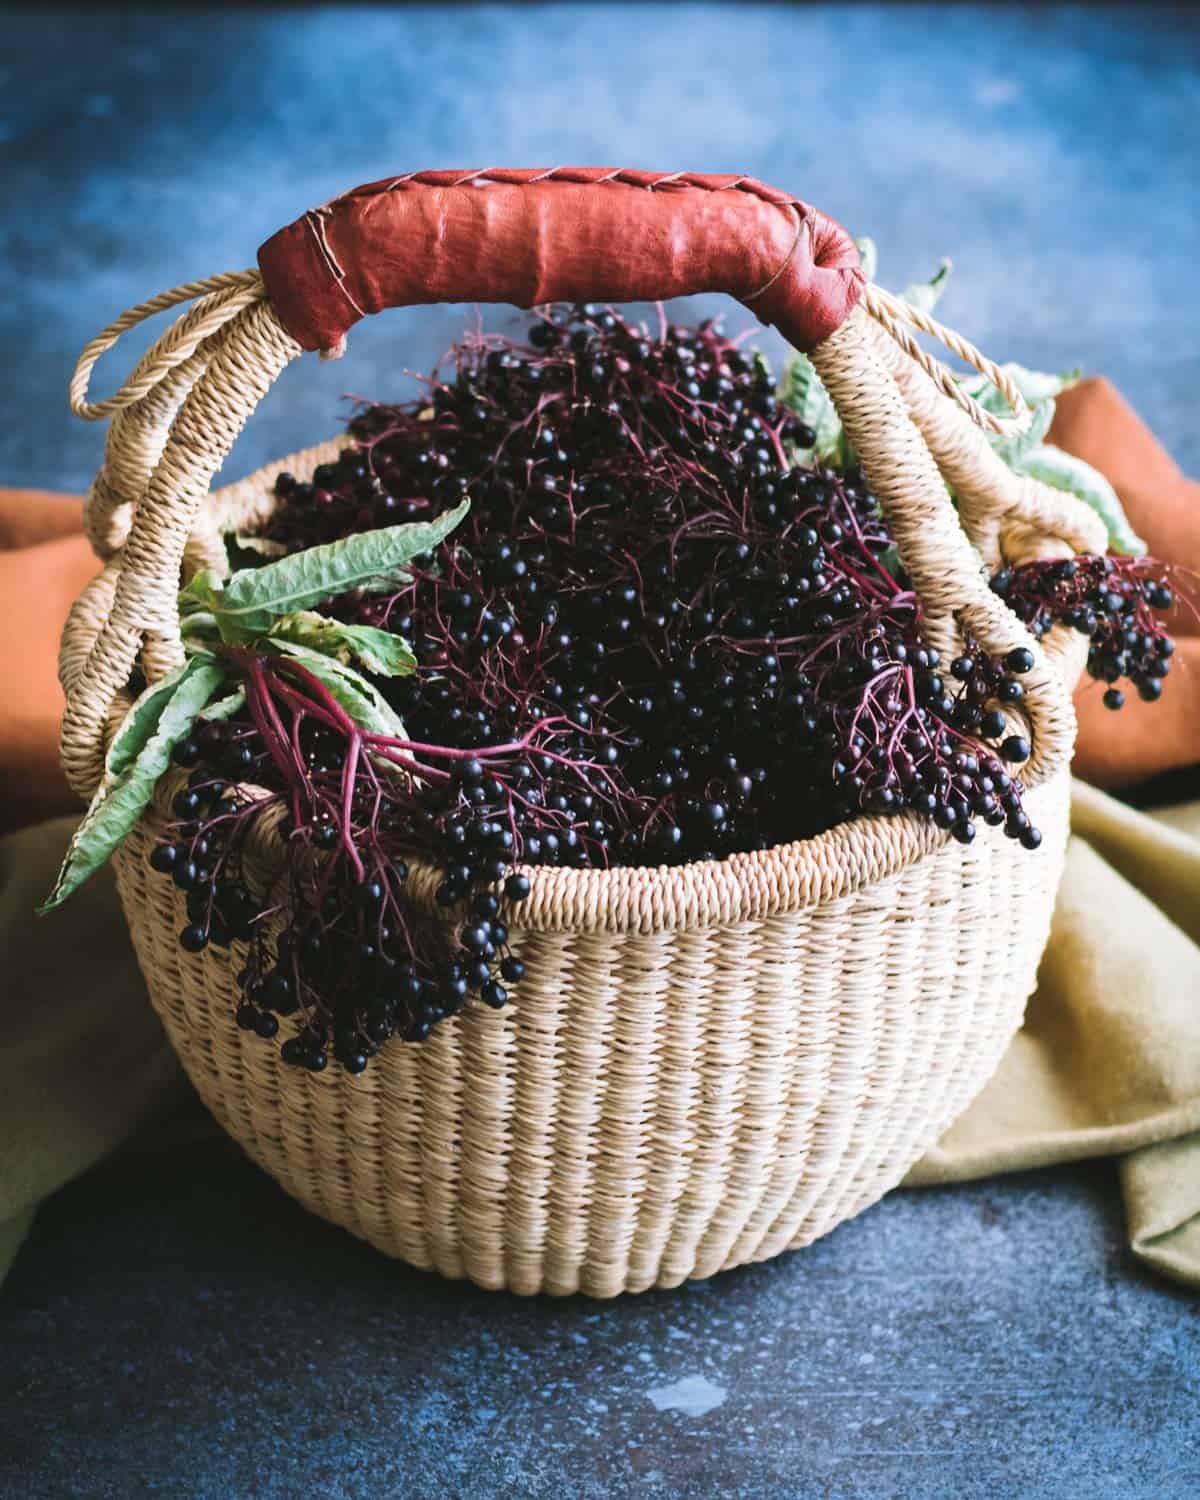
<point>655,1105</point>
<point>703,1066</point>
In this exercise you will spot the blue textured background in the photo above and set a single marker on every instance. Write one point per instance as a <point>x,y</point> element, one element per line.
<point>178,1327</point>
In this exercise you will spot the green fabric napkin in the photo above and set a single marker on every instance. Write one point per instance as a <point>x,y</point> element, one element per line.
<point>1108,1062</point>
<point>83,1060</point>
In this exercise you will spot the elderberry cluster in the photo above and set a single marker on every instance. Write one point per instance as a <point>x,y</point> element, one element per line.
<point>1114,601</point>
<point>661,635</point>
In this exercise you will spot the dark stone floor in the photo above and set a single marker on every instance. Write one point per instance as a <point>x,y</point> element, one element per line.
<point>176,1326</point>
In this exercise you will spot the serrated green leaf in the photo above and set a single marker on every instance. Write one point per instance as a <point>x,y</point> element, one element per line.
<point>925,295</point>
<point>361,699</point>
<point>373,560</point>
<point>121,799</point>
<point>140,723</point>
<point>375,651</point>
<point>1064,471</point>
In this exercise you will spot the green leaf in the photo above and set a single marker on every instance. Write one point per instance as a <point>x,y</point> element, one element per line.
<point>802,391</point>
<point>225,708</point>
<point>373,560</point>
<point>1014,449</point>
<point>361,699</point>
<point>889,561</point>
<point>376,651</point>
<point>203,591</point>
<point>1066,472</point>
<point>1034,385</point>
<point>140,723</point>
<point>121,798</point>
<point>925,295</point>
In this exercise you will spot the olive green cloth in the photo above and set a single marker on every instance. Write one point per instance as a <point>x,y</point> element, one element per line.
<point>1108,1062</point>
<point>83,1060</point>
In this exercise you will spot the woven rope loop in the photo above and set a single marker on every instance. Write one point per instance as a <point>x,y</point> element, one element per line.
<point>892,313</point>
<point>224,296</point>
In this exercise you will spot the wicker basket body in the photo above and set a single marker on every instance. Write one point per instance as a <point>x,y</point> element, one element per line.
<point>703,1066</point>
<point>658,1104</point>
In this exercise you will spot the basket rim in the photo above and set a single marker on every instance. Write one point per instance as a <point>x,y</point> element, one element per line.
<point>749,886</point>
<point>753,886</point>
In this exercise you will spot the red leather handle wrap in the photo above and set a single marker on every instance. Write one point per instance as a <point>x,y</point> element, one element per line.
<point>562,234</point>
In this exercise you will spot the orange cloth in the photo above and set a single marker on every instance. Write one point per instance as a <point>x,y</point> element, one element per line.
<point>44,562</point>
<point>43,567</point>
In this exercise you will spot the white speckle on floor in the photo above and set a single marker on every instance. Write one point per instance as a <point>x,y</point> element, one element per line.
<point>693,1395</point>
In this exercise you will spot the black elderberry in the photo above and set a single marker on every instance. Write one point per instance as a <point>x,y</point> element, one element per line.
<point>1015,749</point>
<point>193,938</point>
<point>992,725</point>
<point>475,939</point>
<point>187,752</point>
<point>494,994</point>
<point>163,858</point>
<point>186,804</point>
<point>1020,659</point>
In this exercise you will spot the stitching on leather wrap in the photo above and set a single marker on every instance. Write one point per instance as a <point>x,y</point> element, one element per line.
<point>315,222</point>
<point>592,176</point>
<point>787,260</point>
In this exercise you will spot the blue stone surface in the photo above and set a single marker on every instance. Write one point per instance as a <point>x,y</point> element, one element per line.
<point>176,1326</point>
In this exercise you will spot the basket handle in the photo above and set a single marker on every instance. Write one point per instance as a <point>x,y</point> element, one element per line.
<point>567,234</point>
<point>514,236</point>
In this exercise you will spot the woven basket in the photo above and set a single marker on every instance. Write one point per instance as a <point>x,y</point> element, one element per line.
<point>703,1066</point>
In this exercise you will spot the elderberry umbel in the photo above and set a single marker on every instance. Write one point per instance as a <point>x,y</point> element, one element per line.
<point>1117,602</point>
<point>662,635</point>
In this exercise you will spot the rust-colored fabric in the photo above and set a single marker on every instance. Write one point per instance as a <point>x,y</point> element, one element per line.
<point>567,234</point>
<point>1093,421</point>
<point>31,516</point>
<point>43,567</point>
